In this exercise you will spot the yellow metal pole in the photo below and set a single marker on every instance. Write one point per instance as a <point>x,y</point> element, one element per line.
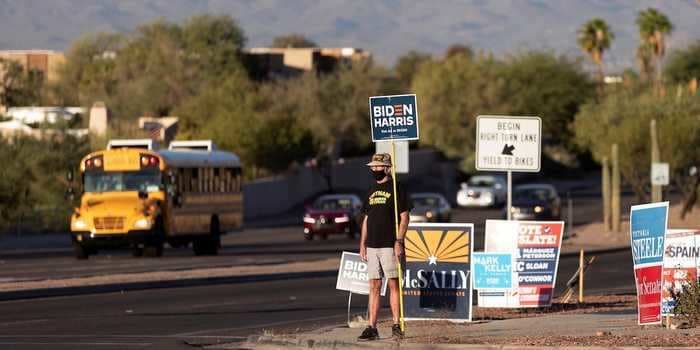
<point>396,221</point>
<point>580,278</point>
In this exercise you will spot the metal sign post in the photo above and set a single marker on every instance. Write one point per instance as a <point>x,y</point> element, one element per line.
<point>509,191</point>
<point>349,301</point>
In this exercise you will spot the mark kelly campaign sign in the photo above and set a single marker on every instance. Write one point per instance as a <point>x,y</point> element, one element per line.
<point>437,274</point>
<point>393,117</point>
<point>647,233</point>
<point>535,246</point>
<point>352,275</point>
<point>681,264</point>
<point>493,270</point>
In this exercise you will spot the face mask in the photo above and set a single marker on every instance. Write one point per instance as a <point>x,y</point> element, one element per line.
<point>378,174</point>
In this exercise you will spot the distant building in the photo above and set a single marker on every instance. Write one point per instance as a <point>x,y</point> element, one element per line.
<point>266,62</point>
<point>45,61</point>
<point>161,130</point>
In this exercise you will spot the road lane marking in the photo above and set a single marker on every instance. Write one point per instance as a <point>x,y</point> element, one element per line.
<point>10,323</point>
<point>77,344</point>
<point>125,336</point>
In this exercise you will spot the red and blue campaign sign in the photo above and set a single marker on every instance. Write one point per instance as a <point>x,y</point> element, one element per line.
<point>535,246</point>
<point>647,233</point>
<point>393,117</point>
<point>681,264</point>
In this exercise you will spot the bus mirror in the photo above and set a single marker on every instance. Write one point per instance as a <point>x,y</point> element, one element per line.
<point>69,175</point>
<point>70,194</point>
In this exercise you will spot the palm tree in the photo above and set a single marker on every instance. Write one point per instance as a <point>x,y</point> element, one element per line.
<point>594,37</point>
<point>653,27</point>
<point>645,61</point>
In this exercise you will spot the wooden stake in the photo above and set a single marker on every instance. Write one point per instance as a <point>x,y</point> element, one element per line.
<point>581,268</point>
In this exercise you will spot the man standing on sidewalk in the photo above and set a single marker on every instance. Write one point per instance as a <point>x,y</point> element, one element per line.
<point>380,245</point>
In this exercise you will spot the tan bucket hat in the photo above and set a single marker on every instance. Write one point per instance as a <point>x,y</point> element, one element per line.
<point>380,159</point>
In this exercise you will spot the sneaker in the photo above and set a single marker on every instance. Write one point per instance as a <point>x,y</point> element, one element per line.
<point>370,333</point>
<point>396,331</point>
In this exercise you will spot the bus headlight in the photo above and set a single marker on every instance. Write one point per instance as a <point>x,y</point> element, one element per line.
<point>142,223</point>
<point>538,209</point>
<point>79,224</point>
<point>309,220</point>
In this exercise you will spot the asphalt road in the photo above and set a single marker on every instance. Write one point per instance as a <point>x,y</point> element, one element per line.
<point>248,247</point>
<point>181,318</point>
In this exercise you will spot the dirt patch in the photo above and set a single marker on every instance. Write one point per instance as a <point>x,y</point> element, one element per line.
<point>444,332</point>
<point>646,340</point>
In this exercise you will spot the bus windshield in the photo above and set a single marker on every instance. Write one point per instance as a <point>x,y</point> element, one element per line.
<point>116,181</point>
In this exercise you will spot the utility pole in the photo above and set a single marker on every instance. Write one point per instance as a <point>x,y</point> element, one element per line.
<point>606,194</point>
<point>656,194</point>
<point>615,189</point>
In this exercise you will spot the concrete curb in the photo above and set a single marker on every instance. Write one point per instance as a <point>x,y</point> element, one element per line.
<point>270,343</point>
<point>177,283</point>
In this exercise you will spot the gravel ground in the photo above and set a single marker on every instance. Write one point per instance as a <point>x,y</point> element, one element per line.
<point>632,335</point>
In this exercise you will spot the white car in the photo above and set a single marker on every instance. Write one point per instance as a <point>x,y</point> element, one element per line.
<point>482,191</point>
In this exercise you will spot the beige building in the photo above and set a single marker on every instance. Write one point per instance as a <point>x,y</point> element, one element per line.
<point>267,62</point>
<point>45,61</point>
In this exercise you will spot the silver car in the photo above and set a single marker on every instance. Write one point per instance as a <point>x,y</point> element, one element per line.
<point>482,191</point>
<point>430,207</point>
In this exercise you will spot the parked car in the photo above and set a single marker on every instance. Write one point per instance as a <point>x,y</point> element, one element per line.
<point>482,191</point>
<point>535,202</point>
<point>332,214</point>
<point>430,207</point>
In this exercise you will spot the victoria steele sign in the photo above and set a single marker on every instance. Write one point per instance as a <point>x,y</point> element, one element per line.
<point>647,234</point>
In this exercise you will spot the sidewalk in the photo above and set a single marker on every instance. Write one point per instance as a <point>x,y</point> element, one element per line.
<point>613,326</point>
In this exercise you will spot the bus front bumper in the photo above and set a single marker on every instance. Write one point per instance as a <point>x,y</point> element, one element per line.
<point>113,239</point>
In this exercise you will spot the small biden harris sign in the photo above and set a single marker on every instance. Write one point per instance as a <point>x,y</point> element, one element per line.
<point>393,117</point>
<point>352,275</point>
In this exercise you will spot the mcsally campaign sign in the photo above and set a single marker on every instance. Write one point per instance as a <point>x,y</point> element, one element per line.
<point>647,233</point>
<point>393,117</point>
<point>437,277</point>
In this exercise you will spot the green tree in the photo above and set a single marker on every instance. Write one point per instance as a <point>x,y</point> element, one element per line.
<point>552,87</point>
<point>594,38</point>
<point>451,93</point>
<point>623,118</point>
<point>684,65</point>
<point>407,66</point>
<point>225,112</point>
<point>292,41</point>
<point>654,26</point>
<point>154,68</point>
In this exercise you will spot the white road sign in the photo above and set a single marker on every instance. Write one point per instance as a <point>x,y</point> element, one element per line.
<point>659,174</point>
<point>401,154</point>
<point>508,143</point>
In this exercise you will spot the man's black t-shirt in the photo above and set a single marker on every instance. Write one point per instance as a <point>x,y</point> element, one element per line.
<point>379,208</point>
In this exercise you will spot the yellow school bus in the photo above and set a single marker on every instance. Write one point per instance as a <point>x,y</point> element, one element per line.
<point>136,197</point>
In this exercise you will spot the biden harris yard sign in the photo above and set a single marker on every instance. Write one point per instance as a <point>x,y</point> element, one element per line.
<point>353,276</point>
<point>393,117</point>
